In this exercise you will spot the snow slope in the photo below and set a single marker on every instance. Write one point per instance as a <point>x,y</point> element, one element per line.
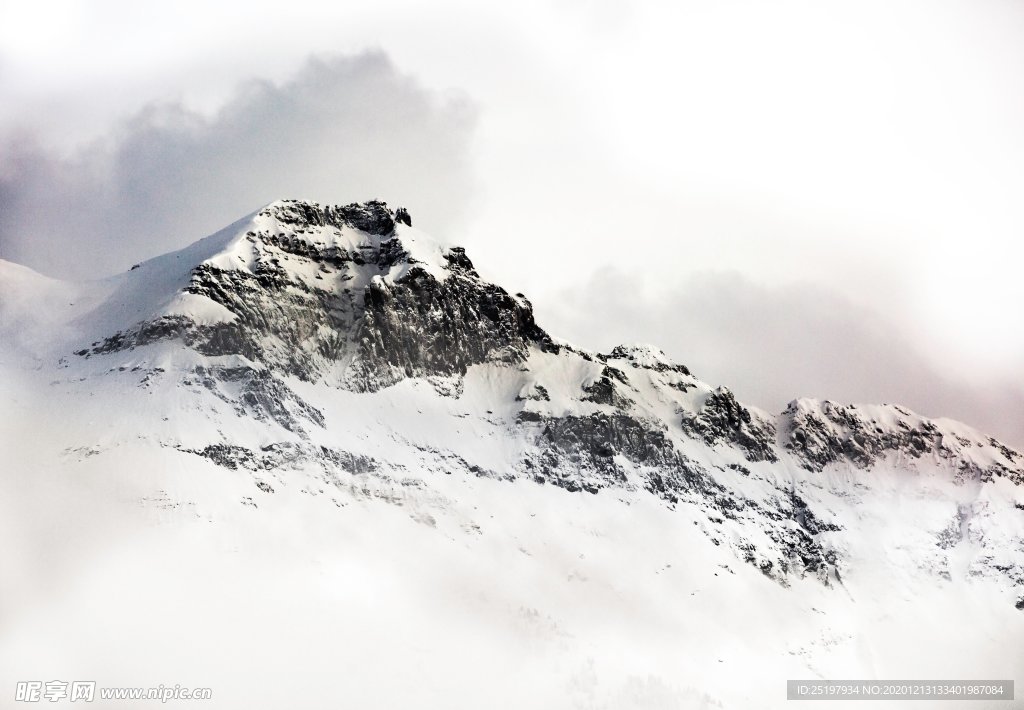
<point>315,460</point>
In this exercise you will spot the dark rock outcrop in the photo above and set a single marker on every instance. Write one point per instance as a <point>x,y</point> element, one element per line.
<point>580,453</point>
<point>826,433</point>
<point>373,217</point>
<point>420,325</point>
<point>646,357</point>
<point>723,419</point>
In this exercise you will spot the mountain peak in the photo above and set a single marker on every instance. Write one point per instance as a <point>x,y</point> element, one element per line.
<point>373,217</point>
<point>371,230</point>
<point>352,293</point>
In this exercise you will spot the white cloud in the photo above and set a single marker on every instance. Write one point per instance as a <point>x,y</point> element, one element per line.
<point>341,130</point>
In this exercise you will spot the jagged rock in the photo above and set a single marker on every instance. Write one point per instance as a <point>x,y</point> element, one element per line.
<point>579,453</point>
<point>823,433</point>
<point>647,357</point>
<point>421,326</point>
<point>372,217</point>
<point>722,418</point>
<point>603,389</point>
<point>281,455</point>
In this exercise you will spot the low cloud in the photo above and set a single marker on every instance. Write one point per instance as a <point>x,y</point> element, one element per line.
<point>342,130</point>
<point>773,344</point>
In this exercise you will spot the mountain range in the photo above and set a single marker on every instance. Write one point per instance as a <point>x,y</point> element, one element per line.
<point>316,457</point>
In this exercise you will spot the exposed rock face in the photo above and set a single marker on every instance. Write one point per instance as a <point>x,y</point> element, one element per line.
<point>283,455</point>
<point>579,453</point>
<point>419,326</point>
<point>722,418</point>
<point>647,357</point>
<point>819,434</point>
<point>604,390</point>
<point>372,217</point>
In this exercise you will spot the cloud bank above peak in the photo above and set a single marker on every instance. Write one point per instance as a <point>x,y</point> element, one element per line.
<point>341,129</point>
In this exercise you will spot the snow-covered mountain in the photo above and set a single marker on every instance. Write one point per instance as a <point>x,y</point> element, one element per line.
<point>384,481</point>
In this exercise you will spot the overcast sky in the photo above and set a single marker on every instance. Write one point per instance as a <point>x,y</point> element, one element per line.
<point>794,198</point>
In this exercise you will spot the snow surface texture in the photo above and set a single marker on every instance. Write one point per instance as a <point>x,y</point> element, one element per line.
<point>314,460</point>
